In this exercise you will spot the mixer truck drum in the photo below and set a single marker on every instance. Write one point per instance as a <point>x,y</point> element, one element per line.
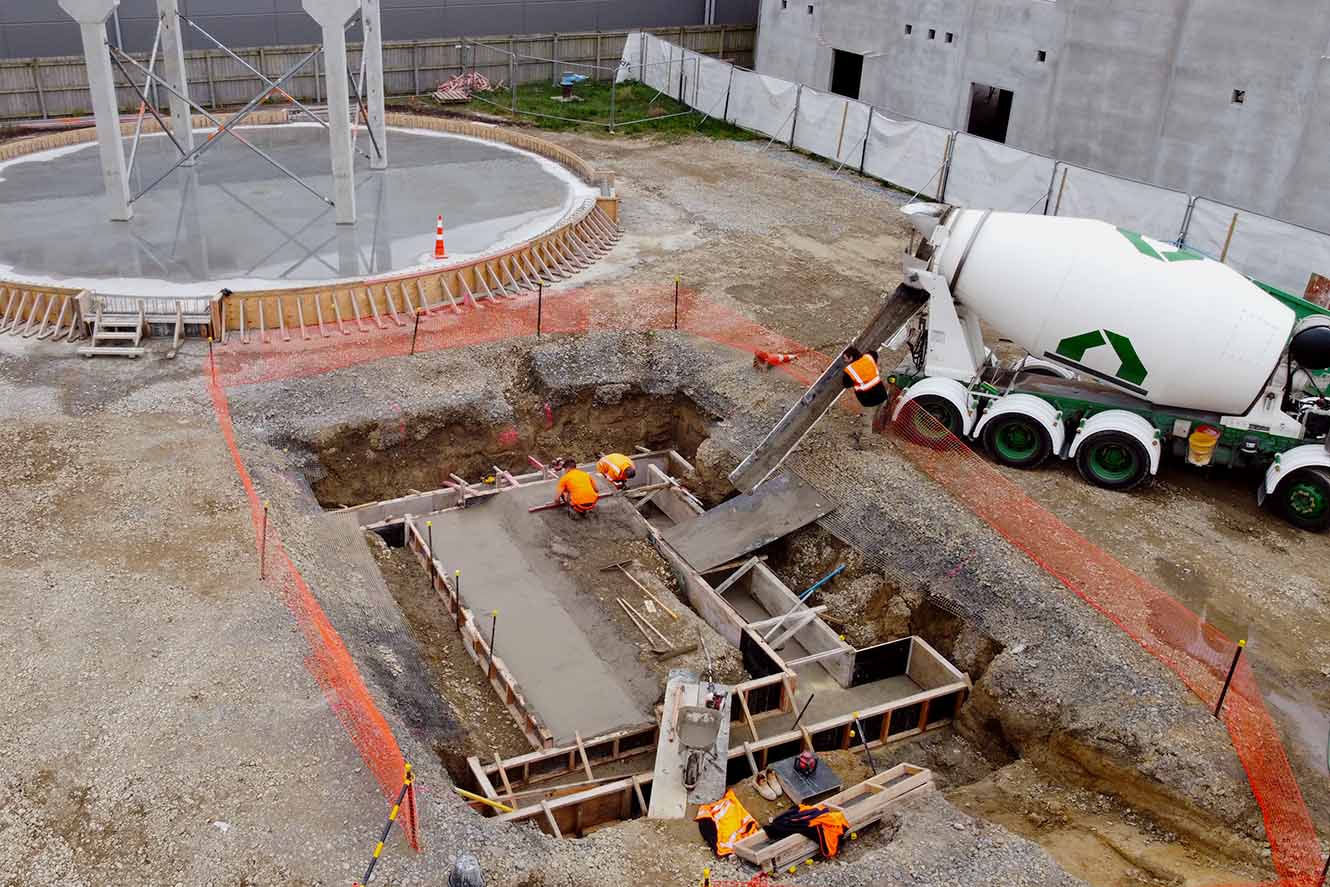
<point>1310,347</point>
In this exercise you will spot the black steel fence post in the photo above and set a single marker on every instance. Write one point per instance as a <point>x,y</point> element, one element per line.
<point>263,542</point>
<point>1237,654</point>
<point>540,307</point>
<point>676,303</point>
<point>415,332</point>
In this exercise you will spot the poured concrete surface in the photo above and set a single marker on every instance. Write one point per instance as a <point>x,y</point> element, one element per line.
<point>577,676</point>
<point>237,221</point>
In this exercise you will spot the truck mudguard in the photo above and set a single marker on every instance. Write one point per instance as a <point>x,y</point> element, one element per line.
<point>949,389</point>
<point>1306,456</point>
<point>1120,420</point>
<point>1036,408</point>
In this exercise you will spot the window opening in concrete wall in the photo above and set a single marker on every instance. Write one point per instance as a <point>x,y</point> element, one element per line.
<point>951,38</point>
<point>1239,96</point>
<point>847,70</point>
<point>932,33</point>
<point>1041,55</point>
<point>990,111</point>
<point>810,9</point>
<point>909,29</point>
<point>784,4</point>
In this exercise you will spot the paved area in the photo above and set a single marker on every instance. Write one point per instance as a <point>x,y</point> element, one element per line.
<point>234,220</point>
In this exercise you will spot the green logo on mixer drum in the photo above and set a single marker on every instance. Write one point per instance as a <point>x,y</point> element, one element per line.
<point>1132,371</point>
<point>1179,254</point>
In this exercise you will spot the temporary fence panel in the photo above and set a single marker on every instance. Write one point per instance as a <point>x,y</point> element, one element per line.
<point>906,153</point>
<point>1147,209</point>
<point>763,104</point>
<point>1274,252</point>
<point>713,84</point>
<point>831,126</point>
<point>989,175</point>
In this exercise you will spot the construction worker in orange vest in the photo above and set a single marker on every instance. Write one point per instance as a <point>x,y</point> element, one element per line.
<point>861,374</point>
<point>617,468</point>
<point>577,489</point>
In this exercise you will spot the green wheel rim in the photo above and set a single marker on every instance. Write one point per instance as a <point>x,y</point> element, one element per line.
<point>1307,500</point>
<point>1113,462</point>
<point>1016,441</point>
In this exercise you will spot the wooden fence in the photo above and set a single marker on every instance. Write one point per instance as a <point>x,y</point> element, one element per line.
<point>58,87</point>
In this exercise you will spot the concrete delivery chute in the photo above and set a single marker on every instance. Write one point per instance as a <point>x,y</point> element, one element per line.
<point>1134,349</point>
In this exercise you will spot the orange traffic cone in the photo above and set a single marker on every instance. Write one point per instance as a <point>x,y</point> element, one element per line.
<point>439,251</point>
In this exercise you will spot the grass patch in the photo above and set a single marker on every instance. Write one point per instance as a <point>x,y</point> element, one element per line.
<point>632,101</point>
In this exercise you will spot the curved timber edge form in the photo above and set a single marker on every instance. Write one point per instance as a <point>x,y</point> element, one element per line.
<point>581,238</point>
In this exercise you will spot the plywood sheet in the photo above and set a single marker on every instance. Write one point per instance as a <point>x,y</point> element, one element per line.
<point>779,507</point>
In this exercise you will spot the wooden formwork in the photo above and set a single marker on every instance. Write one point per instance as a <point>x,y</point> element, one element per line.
<point>40,312</point>
<point>393,301</point>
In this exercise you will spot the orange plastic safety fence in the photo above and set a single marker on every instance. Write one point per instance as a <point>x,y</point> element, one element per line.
<point>328,661</point>
<point>269,357</point>
<point>1195,650</point>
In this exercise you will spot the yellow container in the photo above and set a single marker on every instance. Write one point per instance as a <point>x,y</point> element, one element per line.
<point>1201,445</point>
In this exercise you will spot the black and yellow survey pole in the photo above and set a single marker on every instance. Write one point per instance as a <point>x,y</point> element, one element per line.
<point>407,779</point>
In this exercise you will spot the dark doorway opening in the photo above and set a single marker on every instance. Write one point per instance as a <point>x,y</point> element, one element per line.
<point>990,112</point>
<point>847,70</point>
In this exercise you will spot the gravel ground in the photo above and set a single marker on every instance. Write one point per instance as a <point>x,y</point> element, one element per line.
<point>160,724</point>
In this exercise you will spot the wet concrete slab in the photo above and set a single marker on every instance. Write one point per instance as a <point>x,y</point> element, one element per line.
<point>549,634</point>
<point>235,220</point>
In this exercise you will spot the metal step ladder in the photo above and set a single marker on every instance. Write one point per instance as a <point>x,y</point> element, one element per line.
<point>117,333</point>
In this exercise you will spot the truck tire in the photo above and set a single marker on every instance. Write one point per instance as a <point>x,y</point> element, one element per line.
<point>1304,499</point>
<point>1017,440</point>
<point>1113,460</point>
<point>927,413</point>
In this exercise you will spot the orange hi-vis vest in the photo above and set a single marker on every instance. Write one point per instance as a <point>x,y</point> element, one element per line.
<point>733,822</point>
<point>863,372</point>
<point>615,467</point>
<point>581,489</point>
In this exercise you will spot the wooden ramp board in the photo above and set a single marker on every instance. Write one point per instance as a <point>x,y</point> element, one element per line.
<point>895,312</point>
<point>745,523</point>
<point>669,798</point>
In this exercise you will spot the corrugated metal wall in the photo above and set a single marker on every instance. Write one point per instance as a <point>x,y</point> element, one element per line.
<point>57,87</point>
<point>33,28</point>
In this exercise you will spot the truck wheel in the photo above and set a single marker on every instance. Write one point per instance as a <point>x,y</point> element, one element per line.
<point>927,413</point>
<point>1017,440</point>
<point>1304,498</point>
<point>1113,460</point>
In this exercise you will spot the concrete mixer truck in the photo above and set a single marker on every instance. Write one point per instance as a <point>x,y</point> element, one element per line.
<point>1134,351</point>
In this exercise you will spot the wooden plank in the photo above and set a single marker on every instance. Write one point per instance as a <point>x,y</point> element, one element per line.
<point>739,574</point>
<point>581,751</point>
<point>549,817</point>
<point>762,463</point>
<point>782,505</point>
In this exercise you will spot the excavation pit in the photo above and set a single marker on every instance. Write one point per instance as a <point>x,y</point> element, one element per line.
<point>236,221</point>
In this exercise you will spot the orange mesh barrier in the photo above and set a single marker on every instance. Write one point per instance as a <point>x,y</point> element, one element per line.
<point>328,661</point>
<point>1196,651</point>
<point>585,309</point>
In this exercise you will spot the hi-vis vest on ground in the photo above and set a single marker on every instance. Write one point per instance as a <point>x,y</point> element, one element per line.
<point>864,373</point>
<point>733,822</point>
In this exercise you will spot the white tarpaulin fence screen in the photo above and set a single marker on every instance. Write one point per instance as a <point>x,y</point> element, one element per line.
<point>907,153</point>
<point>1275,252</point>
<point>1135,206</point>
<point>763,104</point>
<point>978,173</point>
<point>831,126</point>
<point>989,175</point>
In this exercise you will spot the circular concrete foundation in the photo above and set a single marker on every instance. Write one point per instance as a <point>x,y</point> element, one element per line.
<point>236,221</point>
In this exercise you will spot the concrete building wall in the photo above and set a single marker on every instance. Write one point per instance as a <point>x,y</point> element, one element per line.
<point>34,28</point>
<point>1138,88</point>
